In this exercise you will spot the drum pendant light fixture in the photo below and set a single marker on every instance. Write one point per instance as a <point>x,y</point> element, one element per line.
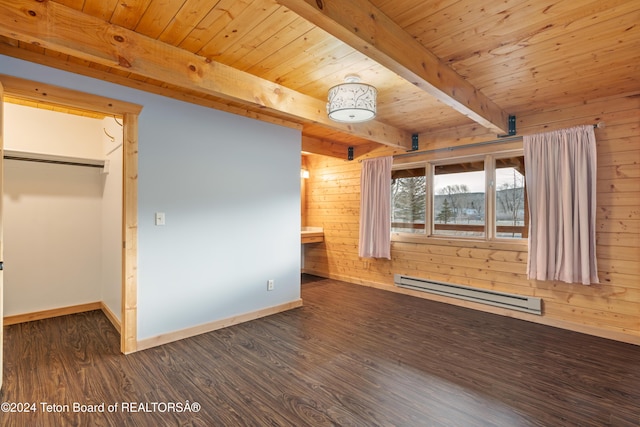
<point>352,101</point>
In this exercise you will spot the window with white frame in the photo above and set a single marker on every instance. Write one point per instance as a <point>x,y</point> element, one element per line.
<point>476,197</point>
<point>459,199</point>
<point>408,200</point>
<point>511,216</point>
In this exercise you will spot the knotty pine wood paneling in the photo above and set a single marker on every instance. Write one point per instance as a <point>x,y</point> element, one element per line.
<point>610,309</point>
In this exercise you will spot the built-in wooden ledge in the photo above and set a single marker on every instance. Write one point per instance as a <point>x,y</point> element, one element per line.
<point>312,235</point>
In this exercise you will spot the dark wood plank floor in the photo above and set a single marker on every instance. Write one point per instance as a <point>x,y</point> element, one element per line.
<point>352,356</point>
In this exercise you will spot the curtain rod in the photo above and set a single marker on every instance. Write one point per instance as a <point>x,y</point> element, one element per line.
<point>598,125</point>
<point>459,147</point>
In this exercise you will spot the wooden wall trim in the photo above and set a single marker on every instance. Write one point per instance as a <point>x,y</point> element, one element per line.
<point>54,312</point>
<point>215,325</point>
<point>49,94</point>
<point>129,333</point>
<point>110,315</point>
<point>64,311</point>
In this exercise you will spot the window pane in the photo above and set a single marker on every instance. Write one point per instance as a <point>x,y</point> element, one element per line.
<point>408,189</point>
<point>459,200</point>
<point>510,198</point>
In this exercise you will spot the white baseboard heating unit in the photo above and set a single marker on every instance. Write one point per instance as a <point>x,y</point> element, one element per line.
<point>499,299</point>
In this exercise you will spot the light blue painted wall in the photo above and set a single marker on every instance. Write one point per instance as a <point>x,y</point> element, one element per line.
<point>230,189</point>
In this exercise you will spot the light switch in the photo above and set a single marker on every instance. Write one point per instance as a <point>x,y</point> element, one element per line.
<point>159,218</point>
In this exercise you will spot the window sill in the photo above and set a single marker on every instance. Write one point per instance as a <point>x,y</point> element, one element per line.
<point>501,244</point>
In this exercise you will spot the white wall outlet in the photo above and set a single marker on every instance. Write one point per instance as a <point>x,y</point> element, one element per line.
<point>159,218</point>
<point>270,284</point>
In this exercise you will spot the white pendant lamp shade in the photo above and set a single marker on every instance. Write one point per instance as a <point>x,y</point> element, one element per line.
<point>352,101</point>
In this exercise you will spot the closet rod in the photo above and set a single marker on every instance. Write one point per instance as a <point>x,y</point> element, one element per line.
<point>57,162</point>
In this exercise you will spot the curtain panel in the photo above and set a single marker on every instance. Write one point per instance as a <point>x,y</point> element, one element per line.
<point>560,174</point>
<point>375,208</point>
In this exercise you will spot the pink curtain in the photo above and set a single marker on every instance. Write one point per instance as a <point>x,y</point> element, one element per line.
<point>560,173</point>
<point>375,208</point>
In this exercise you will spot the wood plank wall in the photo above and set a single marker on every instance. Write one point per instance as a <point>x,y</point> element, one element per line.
<point>610,309</point>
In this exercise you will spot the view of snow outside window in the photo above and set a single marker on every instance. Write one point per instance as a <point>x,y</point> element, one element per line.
<point>459,204</point>
<point>510,203</point>
<point>459,200</point>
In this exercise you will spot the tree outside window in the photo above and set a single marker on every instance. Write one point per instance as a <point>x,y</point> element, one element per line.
<point>408,207</point>
<point>510,198</point>
<point>456,205</point>
<point>459,199</point>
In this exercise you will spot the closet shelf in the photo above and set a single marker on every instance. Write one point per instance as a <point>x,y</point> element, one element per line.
<point>52,158</point>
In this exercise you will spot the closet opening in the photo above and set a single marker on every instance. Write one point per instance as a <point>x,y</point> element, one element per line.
<point>69,205</point>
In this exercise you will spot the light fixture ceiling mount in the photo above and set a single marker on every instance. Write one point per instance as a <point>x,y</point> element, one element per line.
<point>352,101</point>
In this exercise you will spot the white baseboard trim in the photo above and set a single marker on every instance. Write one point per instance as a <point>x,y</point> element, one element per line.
<point>215,325</point>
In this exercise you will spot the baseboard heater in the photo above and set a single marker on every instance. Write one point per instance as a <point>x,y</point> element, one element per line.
<point>499,299</point>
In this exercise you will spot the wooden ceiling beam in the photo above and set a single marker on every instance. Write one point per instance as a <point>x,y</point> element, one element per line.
<point>361,25</point>
<point>65,65</point>
<point>57,27</point>
<point>315,145</point>
<point>326,147</point>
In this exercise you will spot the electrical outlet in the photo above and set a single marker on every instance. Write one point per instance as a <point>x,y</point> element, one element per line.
<point>270,284</point>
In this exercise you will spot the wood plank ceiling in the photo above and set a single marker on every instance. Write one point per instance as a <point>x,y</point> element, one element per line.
<point>437,64</point>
